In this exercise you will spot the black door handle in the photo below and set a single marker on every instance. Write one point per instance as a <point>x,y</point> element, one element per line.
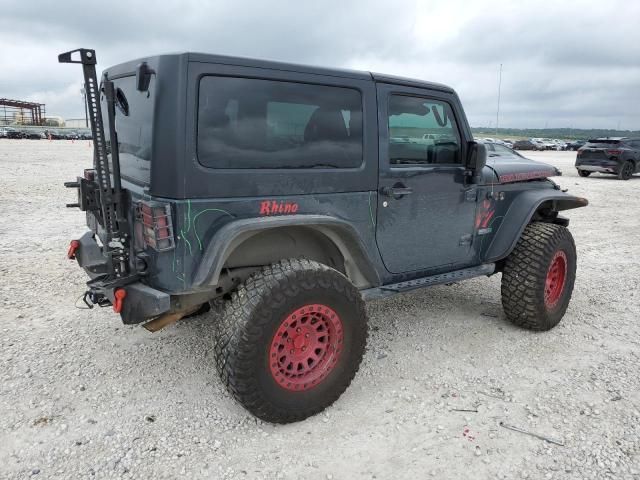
<point>397,191</point>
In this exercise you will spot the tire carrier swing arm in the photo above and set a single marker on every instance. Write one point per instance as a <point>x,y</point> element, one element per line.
<point>105,200</point>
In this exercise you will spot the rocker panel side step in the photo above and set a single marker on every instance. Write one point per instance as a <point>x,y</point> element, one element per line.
<point>429,281</point>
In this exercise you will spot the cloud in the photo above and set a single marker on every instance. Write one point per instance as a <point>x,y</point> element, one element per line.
<point>569,63</point>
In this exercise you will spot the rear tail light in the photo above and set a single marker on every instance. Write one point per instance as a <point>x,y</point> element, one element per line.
<point>613,152</point>
<point>156,225</point>
<point>89,174</point>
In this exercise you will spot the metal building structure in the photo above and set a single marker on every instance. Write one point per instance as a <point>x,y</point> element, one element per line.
<point>21,113</point>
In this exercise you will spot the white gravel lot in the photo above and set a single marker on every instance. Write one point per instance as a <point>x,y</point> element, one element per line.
<point>82,396</point>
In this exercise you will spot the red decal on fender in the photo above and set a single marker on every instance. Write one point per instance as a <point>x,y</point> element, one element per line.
<point>273,207</point>
<point>485,214</point>
<point>515,177</point>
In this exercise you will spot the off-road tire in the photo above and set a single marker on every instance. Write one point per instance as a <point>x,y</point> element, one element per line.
<point>584,173</point>
<point>626,170</point>
<point>256,314</point>
<point>525,276</point>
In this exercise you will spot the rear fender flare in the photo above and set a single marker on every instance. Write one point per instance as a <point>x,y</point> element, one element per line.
<point>519,215</point>
<point>344,236</point>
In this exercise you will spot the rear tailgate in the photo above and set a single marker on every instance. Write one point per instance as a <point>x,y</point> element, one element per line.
<point>598,150</point>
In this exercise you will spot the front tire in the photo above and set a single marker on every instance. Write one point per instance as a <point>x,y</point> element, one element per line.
<point>584,173</point>
<point>538,277</point>
<point>291,340</point>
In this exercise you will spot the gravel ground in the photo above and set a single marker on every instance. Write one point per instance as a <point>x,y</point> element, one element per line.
<point>82,396</point>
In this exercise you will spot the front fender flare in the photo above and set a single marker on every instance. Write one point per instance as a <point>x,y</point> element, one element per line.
<point>341,233</point>
<point>519,215</point>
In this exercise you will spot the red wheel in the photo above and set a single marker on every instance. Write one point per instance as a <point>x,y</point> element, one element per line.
<point>556,278</point>
<point>306,347</point>
<point>538,276</point>
<point>291,339</point>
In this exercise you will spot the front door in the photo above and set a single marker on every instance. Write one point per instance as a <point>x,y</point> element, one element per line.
<point>426,208</point>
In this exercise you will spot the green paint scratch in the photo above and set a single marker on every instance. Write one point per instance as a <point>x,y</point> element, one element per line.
<point>186,240</point>
<point>195,218</point>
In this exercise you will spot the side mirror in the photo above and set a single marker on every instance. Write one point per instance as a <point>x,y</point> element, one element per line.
<point>143,77</point>
<point>476,160</point>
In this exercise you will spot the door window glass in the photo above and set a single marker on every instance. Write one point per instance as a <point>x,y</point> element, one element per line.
<point>422,132</point>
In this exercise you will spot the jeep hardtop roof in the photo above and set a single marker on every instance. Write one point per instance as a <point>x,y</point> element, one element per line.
<point>129,67</point>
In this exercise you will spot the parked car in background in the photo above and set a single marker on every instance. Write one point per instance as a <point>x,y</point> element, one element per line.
<point>548,143</point>
<point>525,145</point>
<point>507,143</point>
<point>3,132</point>
<point>539,143</point>
<point>615,155</point>
<point>85,135</point>
<point>559,144</point>
<point>32,134</point>
<point>13,133</point>
<point>575,145</point>
<point>56,135</point>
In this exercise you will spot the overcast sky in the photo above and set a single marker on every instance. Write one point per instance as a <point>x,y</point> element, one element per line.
<point>565,63</point>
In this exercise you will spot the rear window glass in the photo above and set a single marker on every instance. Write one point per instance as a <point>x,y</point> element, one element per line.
<point>134,120</point>
<point>252,123</point>
<point>599,143</point>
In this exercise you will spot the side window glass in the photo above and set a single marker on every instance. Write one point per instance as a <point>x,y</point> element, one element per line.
<point>255,123</point>
<point>422,132</point>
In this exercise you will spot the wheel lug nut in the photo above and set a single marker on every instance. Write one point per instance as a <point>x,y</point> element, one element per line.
<point>291,351</point>
<point>304,348</point>
<point>306,335</point>
<point>298,330</point>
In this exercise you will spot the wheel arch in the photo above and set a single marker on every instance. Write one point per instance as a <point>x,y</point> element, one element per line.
<point>262,241</point>
<point>538,205</point>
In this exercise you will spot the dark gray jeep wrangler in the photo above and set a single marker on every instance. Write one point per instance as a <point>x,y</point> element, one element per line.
<point>284,196</point>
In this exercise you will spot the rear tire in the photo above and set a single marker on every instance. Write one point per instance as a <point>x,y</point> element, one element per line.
<point>291,340</point>
<point>538,277</point>
<point>584,173</point>
<point>626,170</point>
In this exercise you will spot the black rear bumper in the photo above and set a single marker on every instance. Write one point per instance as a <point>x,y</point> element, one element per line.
<point>89,256</point>
<point>141,302</point>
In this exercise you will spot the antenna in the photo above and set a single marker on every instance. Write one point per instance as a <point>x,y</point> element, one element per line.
<point>498,110</point>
